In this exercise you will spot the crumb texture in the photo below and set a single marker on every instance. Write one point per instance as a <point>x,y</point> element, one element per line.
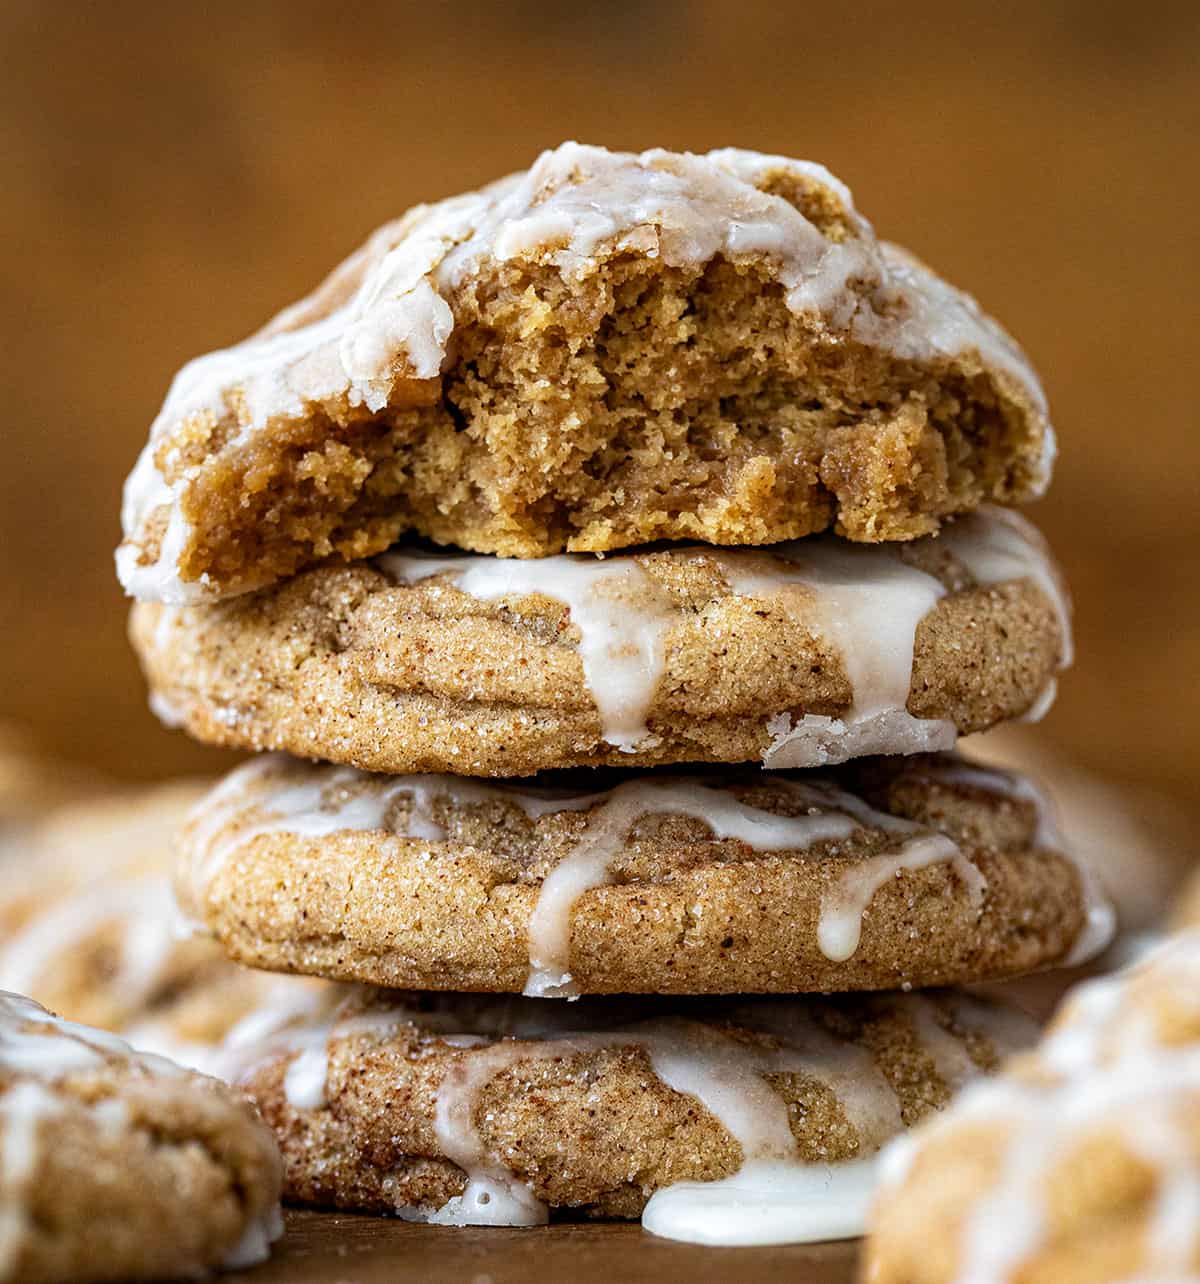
<point>605,350</point>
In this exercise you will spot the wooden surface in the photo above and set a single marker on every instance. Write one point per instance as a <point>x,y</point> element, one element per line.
<point>175,172</point>
<point>322,1248</point>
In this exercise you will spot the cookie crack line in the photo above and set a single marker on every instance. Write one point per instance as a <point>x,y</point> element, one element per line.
<point>800,378</point>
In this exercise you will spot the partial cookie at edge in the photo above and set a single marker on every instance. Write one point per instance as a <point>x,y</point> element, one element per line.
<point>119,1165</point>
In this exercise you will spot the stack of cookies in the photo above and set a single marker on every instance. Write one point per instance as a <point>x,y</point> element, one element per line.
<point>614,551</point>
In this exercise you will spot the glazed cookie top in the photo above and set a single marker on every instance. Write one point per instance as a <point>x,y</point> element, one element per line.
<point>790,1096</point>
<point>1081,1161</point>
<point>77,1106</point>
<point>88,928</point>
<point>800,655</point>
<point>499,370</point>
<point>251,858</point>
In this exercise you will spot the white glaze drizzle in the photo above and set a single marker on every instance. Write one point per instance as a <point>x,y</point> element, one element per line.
<point>621,612</point>
<point>867,604</point>
<point>865,601</point>
<point>1100,917</point>
<point>573,207</point>
<point>724,1074</point>
<point>608,831</point>
<point>1101,1069</point>
<point>329,800</point>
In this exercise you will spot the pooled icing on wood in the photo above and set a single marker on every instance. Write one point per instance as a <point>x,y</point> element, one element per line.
<point>726,1075</point>
<point>574,207</point>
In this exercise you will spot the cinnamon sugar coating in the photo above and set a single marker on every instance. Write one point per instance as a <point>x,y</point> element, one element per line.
<point>347,665</point>
<point>436,884</point>
<point>582,1117</point>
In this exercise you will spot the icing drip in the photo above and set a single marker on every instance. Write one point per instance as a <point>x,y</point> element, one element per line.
<point>609,829</point>
<point>494,1196</point>
<point>331,800</point>
<point>1100,917</point>
<point>575,205</point>
<point>842,910</point>
<point>621,613</point>
<point>775,1196</point>
<point>866,603</point>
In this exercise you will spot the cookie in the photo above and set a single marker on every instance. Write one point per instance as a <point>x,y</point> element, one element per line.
<point>798,656</point>
<point>603,351</point>
<point>465,1110</point>
<point>894,872</point>
<point>1138,842</point>
<point>87,928</point>
<point>115,1165</point>
<point>1079,1165</point>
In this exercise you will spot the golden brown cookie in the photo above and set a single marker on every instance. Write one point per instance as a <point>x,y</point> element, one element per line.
<point>463,1109</point>
<point>605,350</point>
<point>1079,1165</point>
<point>1139,842</point>
<point>798,656</point>
<point>87,928</point>
<point>116,1166</point>
<point>893,872</point>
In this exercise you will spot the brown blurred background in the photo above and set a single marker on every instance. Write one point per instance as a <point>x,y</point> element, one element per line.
<point>175,172</point>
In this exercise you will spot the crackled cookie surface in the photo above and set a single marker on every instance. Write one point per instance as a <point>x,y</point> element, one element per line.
<point>87,929</point>
<point>922,871</point>
<point>605,350</point>
<point>801,655</point>
<point>1080,1164</point>
<point>481,1110</point>
<point>116,1165</point>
